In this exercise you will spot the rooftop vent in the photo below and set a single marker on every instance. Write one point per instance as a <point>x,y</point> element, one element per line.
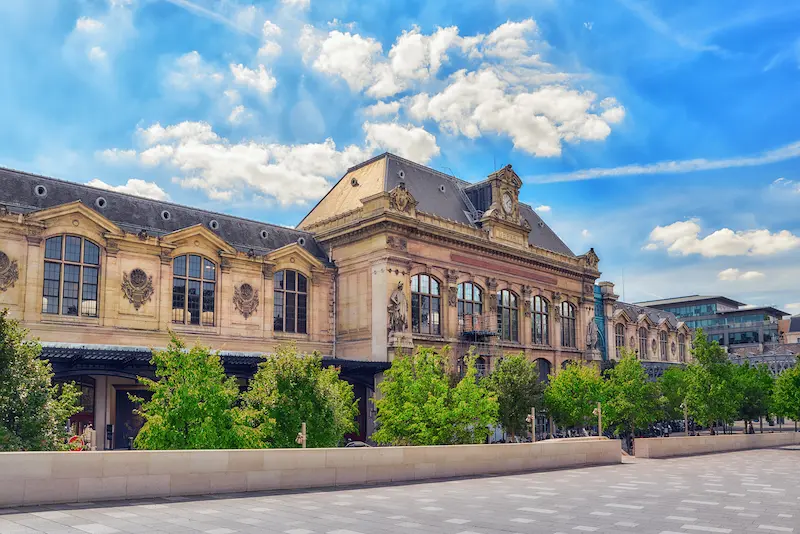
<point>263,234</point>
<point>401,174</point>
<point>166,215</point>
<point>441,188</point>
<point>40,191</point>
<point>301,241</point>
<point>353,182</point>
<point>213,224</point>
<point>100,202</point>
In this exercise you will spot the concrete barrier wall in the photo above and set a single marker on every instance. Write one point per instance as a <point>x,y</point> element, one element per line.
<point>52,477</point>
<point>691,445</point>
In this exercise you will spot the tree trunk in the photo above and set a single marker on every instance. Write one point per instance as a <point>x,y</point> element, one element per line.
<point>761,423</point>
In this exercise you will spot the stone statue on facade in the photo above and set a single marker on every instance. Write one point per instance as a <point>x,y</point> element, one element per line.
<point>398,310</point>
<point>592,335</point>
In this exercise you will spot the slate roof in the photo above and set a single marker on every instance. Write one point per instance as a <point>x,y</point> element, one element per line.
<point>133,213</point>
<point>634,311</point>
<point>424,185</point>
<point>794,324</point>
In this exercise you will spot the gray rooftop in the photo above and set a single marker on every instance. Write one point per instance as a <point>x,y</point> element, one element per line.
<point>133,213</point>
<point>655,315</point>
<point>424,185</point>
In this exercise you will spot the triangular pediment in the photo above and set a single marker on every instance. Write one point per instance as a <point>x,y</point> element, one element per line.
<point>76,208</point>
<point>508,175</point>
<point>622,314</point>
<point>645,319</point>
<point>198,231</point>
<point>294,250</point>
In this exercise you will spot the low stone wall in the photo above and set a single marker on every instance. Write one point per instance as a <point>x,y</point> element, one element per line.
<point>52,477</point>
<point>691,445</point>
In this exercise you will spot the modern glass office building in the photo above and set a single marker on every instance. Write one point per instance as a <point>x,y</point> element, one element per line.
<point>730,322</point>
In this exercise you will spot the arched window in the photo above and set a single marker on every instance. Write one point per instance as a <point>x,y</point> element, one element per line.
<point>71,276</point>
<point>290,307</point>
<point>470,307</point>
<point>663,340</point>
<point>425,305</point>
<point>507,315</point>
<point>193,290</point>
<point>643,343</point>
<point>682,347</point>
<point>541,321</point>
<point>568,325</point>
<point>480,366</point>
<point>619,338</point>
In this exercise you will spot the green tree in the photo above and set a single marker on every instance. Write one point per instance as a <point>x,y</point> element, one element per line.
<point>290,389</point>
<point>515,382</point>
<point>672,390</point>
<point>755,385</point>
<point>573,394</point>
<point>631,400</point>
<point>419,406</point>
<point>33,411</point>
<point>712,394</point>
<point>194,404</point>
<point>786,396</point>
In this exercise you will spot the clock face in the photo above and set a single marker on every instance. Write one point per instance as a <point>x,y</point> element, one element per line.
<point>507,201</point>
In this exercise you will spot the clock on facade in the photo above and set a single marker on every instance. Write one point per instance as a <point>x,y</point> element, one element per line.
<point>507,202</point>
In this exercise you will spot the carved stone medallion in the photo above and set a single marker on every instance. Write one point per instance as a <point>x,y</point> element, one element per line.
<point>401,199</point>
<point>245,299</point>
<point>137,287</point>
<point>397,243</point>
<point>9,272</point>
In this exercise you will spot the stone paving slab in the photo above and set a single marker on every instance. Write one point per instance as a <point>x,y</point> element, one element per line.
<point>754,491</point>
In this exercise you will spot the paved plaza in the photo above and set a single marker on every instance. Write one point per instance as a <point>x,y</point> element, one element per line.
<point>750,491</point>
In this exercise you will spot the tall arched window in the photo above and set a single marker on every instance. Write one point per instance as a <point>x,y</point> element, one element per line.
<point>470,307</point>
<point>663,341</point>
<point>193,290</point>
<point>425,305</point>
<point>71,276</point>
<point>682,347</point>
<point>568,325</point>
<point>643,343</point>
<point>507,315</point>
<point>290,307</point>
<point>619,338</point>
<point>541,321</point>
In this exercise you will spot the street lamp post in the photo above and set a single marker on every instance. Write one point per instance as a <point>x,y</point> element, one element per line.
<point>599,413</point>
<point>532,420</point>
<point>302,436</point>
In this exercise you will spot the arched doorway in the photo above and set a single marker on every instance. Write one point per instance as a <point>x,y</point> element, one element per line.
<point>565,363</point>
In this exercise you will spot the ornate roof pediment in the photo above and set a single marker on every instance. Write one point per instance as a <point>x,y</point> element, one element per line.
<point>621,314</point>
<point>201,232</point>
<point>294,250</point>
<point>75,208</point>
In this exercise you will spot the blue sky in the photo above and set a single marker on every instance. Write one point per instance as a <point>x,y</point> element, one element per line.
<point>664,134</point>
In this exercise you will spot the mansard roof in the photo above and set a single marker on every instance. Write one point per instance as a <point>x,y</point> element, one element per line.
<point>425,185</point>
<point>656,316</point>
<point>18,192</point>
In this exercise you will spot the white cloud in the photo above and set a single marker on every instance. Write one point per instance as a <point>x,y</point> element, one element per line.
<point>260,80</point>
<point>731,274</point>
<point>542,209</point>
<point>115,155</point>
<point>299,4</point>
<point>232,95</point>
<point>87,24</point>
<point>134,186</point>
<point>191,72</point>
<point>683,237</point>
<point>289,174</point>
<point>408,141</point>
<point>96,54</point>
<point>418,56</point>
<point>269,49</point>
<point>783,185</point>
<point>790,151</point>
<point>269,29</point>
<point>237,115</point>
<point>793,307</point>
<point>586,234</point>
<point>346,55</point>
<point>537,121</point>
<point>510,40</point>
<point>382,108</point>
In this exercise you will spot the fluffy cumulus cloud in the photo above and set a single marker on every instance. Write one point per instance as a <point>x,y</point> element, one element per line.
<point>683,238</point>
<point>116,156</point>
<point>225,171</point>
<point>407,141</point>
<point>260,80</point>
<point>511,91</point>
<point>380,109</point>
<point>134,186</point>
<point>543,209</point>
<point>191,72</point>
<point>98,39</point>
<point>731,275</point>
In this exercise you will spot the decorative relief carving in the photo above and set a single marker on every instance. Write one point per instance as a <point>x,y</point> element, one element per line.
<point>556,297</point>
<point>225,265</point>
<point>245,299</point>
<point>166,256</point>
<point>142,235</point>
<point>34,235</point>
<point>267,271</point>
<point>491,298</point>
<point>112,247</point>
<point>527,291</point>
<point>401,200</point>
<point>591,260</point>
<point>452,295</point>
<point>397,243</point>
<point>588,289</point>
<point>398,310</point>
<point>451,275</point>
<point>673,347</point>
<point>491,284</point>
<point>9,271</point>
<point>137,287</point>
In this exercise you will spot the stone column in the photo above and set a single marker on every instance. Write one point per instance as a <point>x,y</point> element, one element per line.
<point>101,405</point>
<point>526,321</point>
